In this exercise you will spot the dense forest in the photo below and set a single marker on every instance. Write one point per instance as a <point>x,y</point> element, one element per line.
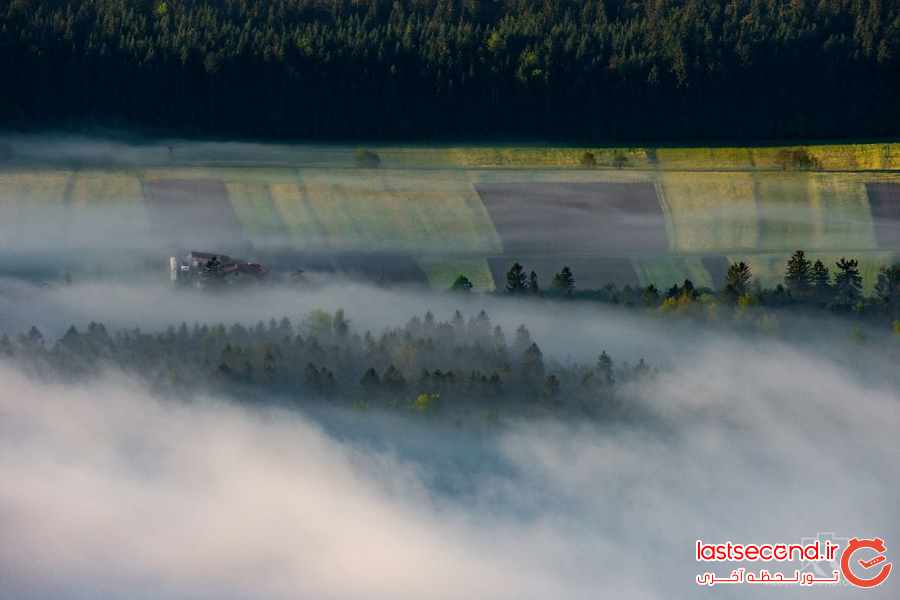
<point>586,70</point>
<point>427,366</point>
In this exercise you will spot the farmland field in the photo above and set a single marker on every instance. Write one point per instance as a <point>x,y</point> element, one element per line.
<point>634,216</point>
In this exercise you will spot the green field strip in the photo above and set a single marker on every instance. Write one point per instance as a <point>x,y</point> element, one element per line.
<point>332,199</point>
<point>841,212</point>
<point>411,213</point>
<point>786,218</point>
<point>664,272</point>
<point>442,272</point>
<point>255,210</point>
<point>454,217</point>
<point>704,158</point>
<point>290,203</point>
<point>711,211</point>
<point>536,157</point>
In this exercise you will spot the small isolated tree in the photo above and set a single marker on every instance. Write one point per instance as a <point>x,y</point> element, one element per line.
<point>461,284</point>
<point>847,284</point>
<point>366,159</point>
<point>619,160</point>
<point>798,275</point>
<point>516,280</point>
<point>588,160</point>
<point>737,280</point>
<point>564,281</point>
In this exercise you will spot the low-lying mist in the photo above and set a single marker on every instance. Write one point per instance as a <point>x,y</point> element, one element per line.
<point>110,492</point>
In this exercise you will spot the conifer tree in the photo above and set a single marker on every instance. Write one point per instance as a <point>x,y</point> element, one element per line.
<point>564,281</point>
<point>847,284</point>
<point>461,284</point>
<point>798,275</point>
<point>821,282</point>
<point>516,280</point>
<point>737,280</point>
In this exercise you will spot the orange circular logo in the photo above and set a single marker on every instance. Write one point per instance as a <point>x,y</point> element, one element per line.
<point>876,544</point>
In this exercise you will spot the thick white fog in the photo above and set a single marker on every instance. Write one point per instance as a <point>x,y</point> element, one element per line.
<point>109,492</point>
<point>581,333</point>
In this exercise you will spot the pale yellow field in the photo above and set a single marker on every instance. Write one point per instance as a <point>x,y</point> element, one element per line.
<point>32,207</point>
<point>255,210</point>
<point>710,211</point>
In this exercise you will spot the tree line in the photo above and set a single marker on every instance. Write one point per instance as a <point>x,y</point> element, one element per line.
<point>590,70</point>
<point>427,365</point>
<point>806,284</point>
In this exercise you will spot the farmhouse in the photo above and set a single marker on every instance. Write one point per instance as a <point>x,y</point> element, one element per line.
<point>198,269</point>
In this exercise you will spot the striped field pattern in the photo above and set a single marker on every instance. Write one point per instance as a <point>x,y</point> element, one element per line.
<point>706,204</point>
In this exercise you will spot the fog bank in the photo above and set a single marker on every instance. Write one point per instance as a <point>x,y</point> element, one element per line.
<point>108,492</point>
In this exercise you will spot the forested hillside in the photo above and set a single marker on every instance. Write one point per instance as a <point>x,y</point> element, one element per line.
<point>577,70</point>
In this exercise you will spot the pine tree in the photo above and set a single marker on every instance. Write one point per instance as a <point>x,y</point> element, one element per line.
<point>887,288</point>
<point>370,382</point>
<point>516,280</point>
<point>798,275</point>
<point>847,284</point>
<point>564,281</point>
<point>737,280</point>
<point>533,364</point>
<point>393,380</point>
<point>522,340</point>
<point>461,284</point>
<point>821,282</point>
<point>605,369</point>
<point>650,296</point>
